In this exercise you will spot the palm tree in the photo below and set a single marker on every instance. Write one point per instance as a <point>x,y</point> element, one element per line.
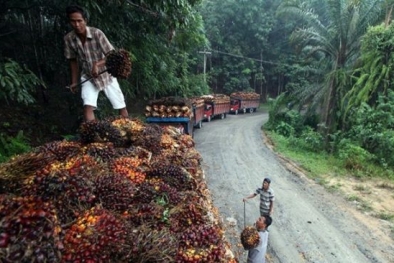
<point>330,36</point>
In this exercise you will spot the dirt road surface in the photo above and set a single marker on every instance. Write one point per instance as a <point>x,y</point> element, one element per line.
<point>309,223</point>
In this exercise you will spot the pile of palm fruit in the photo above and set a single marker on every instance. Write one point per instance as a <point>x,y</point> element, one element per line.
<point>250,237</point>
<point>216,98</point>
<point>169,107</point>
<point>126,191</point>
<point>245,95</point>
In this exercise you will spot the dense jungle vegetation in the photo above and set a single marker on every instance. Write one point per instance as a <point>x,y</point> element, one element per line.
<point>324,67</point>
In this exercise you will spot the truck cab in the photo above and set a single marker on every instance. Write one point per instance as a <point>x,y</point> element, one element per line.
<point>235,104</point>
<point>208,112</point>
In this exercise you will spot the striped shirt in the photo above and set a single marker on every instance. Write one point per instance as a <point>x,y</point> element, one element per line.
<point>265,198</point>
<point>95,49</point>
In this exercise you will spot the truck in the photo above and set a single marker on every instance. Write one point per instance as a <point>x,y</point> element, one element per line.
<point>216,105</point>
<point>244,102</point>
<point>181,113</point>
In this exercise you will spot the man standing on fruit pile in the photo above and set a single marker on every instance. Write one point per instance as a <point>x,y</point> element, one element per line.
<point>86,47</point>
<point>257,255</point>
<point>267,198</point>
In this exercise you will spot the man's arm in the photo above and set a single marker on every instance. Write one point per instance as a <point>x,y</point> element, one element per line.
<point>96,66</point>
<point>250,196</point>
<point>271,207</point>
<point>74,74</point>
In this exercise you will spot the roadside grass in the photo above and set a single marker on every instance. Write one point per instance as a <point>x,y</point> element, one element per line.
<point>363,189</point>
<point>386,216</point>
<point>318,165</point>
<point>322,168</point>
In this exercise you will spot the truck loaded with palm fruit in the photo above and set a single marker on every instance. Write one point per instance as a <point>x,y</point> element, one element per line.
<point>185,114</point>
<point>216,105</point>
<point>242,102</point>
<point>126,191</point>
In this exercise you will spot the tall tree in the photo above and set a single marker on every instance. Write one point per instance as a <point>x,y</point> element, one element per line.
<point>374,75</point>
<point>332,36</point>
<point>238,32</point>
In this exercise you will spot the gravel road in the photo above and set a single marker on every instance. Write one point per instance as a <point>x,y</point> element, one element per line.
<point>309,223</point>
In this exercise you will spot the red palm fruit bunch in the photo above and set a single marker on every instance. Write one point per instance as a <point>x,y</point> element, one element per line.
<point>69,194</point>
<point>29,230</point>
<point>73,165</point>
<point>21,168</point>
<point>202,235</point>
<point>158,191</point>
<point>192,255</point>
<point>167,142</point>
<point>149,138</point>
<point>150,244</point>
<point>128,127</point>
<point>83,165</point>
<point>80,164</point>
<point>114,191</point>
<point>118,63</point>
<point>186,141</point>
<point>173,175</point>
<point>96,236</point>
<point>128,167</point>
<point>77,165</point>
<point>184,215</point>
<point>61,150</point>
<point>213,253</point>
<point>100,151</point>
<point>125,126</point>
<point>250,237</point>
<point>100,131</point>
<point>144,213</point>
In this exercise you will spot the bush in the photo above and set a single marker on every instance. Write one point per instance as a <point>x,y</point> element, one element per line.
<point>372,128</point>
<point>284,129</point>
<point>17,82</point>
<point>10,146</point>
<point>353,156</point>
<point>313,140</point>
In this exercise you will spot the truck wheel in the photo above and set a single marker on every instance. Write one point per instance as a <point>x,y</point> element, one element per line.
<point>222,116</point>
<point>208,118</point>
<point>251,110</point>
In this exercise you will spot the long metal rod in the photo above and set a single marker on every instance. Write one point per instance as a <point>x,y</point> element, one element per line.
<point>80,83</point>
<point>244,215</point>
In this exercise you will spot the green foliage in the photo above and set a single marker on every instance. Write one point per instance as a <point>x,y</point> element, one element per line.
<point>10,146</point>
<point>330,36</point>
<point>309,140</point>
<point>284,129</point>
<point>282,120</point>
<point>354,157</point>
<point>375,71</point>
<point>17,83</point>
<point>238,33</point>
<point>317,164</point>
<point>372,128</point>
<point>276,106</point>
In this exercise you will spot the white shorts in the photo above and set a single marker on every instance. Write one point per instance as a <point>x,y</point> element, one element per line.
<point>113,92</point>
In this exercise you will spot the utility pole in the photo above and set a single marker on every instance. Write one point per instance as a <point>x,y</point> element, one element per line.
<point>205,61</point>
<point>261,79</point>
